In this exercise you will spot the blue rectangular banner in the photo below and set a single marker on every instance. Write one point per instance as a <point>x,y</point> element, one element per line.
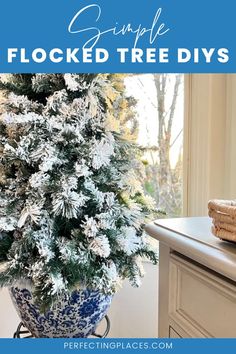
<point>172,346</point>
<point>123,36</point>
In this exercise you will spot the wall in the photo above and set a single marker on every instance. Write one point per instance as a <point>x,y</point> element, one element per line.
<point>230,140</point>
<point>133,312</point>
<point>210,144</point>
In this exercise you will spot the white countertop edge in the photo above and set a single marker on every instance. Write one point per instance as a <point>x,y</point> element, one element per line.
<point>207,255</point>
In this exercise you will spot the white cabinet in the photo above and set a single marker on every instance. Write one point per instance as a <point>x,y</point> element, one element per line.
<point>173,333</point>
<point>197,289</point>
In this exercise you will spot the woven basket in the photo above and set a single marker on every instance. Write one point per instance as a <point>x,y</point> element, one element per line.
<point>223,213</point>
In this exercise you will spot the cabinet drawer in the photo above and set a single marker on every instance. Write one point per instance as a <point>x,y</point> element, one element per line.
<point>200,302</point>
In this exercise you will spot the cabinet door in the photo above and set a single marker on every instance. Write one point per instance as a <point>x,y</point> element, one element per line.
<point>201,302</point>
<point>173,333</point>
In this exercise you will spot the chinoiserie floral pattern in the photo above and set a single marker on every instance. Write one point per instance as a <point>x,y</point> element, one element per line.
<point>74,316</point>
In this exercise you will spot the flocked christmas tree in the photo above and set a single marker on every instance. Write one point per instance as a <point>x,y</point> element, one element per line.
<point>71,208</point>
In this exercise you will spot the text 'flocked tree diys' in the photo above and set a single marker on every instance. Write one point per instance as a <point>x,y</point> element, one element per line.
<point>71,209</point>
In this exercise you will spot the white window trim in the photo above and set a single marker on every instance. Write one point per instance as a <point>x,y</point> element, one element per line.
<point>209,141</point>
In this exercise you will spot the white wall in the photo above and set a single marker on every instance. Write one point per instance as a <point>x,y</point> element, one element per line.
<point>230,148</point>
<point>133,312</point>
<point>210,145</point>
<point>9,319</point>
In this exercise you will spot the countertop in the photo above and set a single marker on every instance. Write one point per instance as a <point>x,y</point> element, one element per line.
<point>193,238</point>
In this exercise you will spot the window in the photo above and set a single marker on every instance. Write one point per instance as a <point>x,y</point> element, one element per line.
<point>160,116</point>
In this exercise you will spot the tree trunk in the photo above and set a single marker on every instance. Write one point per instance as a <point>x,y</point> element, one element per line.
<point>165,124</point>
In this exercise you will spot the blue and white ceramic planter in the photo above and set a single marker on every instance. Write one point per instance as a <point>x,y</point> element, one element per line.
<point>76,316</point>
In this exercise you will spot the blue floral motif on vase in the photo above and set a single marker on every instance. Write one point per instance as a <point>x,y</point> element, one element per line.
<point>74,316</point>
